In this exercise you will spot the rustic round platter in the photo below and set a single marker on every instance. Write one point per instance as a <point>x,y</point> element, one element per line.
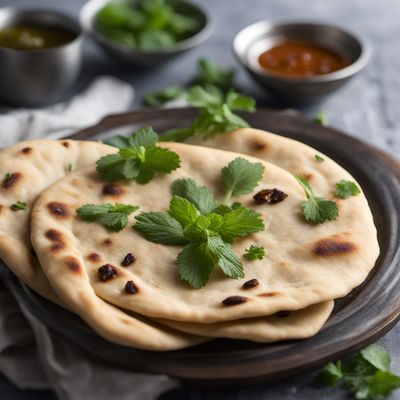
<point>359,319</point>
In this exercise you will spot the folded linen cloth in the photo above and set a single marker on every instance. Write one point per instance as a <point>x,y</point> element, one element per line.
<point>30,355</point>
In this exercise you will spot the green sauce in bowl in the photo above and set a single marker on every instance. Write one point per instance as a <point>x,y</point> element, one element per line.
<point>34,37</point>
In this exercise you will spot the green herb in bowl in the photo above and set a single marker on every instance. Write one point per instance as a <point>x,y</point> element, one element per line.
<point>147,25</point>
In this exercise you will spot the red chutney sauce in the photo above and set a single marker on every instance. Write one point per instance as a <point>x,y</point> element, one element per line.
<point>300,59</point>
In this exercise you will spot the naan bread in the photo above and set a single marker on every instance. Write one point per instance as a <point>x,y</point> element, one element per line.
<point>299,324</point>
<point>34,165</point>
<point>306,264</point>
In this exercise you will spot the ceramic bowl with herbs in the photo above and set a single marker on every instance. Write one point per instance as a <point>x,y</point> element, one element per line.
<point>145,32</point>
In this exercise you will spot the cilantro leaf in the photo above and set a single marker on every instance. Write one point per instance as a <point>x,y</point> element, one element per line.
<point>195,264</point>
<point>140,159</point>
<point>200,196</point>
<point>240,222</point>
<point>113,217</point>
<point>322,118</point>
<point>183,210</point>
<point>159,98</point>
<point>227,260</point>
<point>19,206</point>
<point>241,177</point>
<point>161,228</point>
<point>254,253</point>
<point>318,158</point>
<point>345,189</point>
<point>367,375</point>
<point>316,209</point>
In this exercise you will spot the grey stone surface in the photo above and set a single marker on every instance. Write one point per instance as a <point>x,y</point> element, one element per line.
<point>369,108</point>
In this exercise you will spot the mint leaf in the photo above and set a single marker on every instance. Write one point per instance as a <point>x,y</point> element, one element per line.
<point>159,98</point>
<point>254,253</point>
<point>145,137</point>
<point>332,374</point>
<point>345,189</point>
<point>367,375</point>
<point>110,167</point>
<point>316,209</point>
<point>211,74</point>
<point>200,97</point>
<point>240,222</point>
<point>161,160</point>
<point>19,206</point>
<point>382,384</point>
<point>176,135</point>
<point>237,102</point>
<point>183,210</point>
<point>195,264</point>
<point>377,356</point>
<point>113,217</point>
<point>241,177</point>
<point>227,260</point>
<point>216,113</point>
<point>140,159</point>
<point>159,227</point>
<point>118,141</point>
<point>200,196</point>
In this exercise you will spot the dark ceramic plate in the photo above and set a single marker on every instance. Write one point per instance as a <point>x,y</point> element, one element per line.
<point>360,318</point>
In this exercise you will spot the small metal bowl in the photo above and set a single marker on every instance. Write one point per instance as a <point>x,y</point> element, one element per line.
<point>141,58</point>
<point>250,42</point>
<point>37,77</point>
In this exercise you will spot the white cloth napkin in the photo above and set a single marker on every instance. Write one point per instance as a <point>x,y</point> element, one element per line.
<point>30,356</point>
<point>106,95</point>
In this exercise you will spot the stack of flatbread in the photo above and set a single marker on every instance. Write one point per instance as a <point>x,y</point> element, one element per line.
<point>58,255</point>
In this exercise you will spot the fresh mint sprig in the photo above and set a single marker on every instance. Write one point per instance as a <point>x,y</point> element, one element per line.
<point>316,209</point>
<point>112,216</point>
<point>208,75</point>
<point>138,158</point>
<point>217,113</point>
<point>206,238</point>
<point>204,227</point>
<point>368,375</point>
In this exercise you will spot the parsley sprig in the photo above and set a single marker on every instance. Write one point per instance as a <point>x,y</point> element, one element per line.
<point>316,209</point>
<point>204,227</point>
<point>138,158</point>
<point>113,216</point>
<point>367,375</point>
<point>217,113</point>
<point>345,189</point>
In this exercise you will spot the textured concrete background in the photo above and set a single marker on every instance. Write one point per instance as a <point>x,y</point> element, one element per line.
<point>369,108</point>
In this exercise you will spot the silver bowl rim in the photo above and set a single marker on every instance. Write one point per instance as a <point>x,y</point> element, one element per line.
<point>56,13</point>
<point>89,10</point>
<point>343,73</point>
